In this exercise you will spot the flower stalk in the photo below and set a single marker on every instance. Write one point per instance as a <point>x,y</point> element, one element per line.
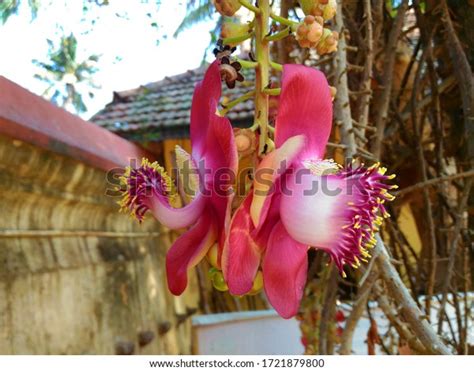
<point>274,91</point>
<point>249,6</point>
<point>279,35</point>
<point>276,66</point>
<point>281,20</point>
<point>262,51</point>
<point>236,39</point>
<point>235,102</point>
<point>246,64</point>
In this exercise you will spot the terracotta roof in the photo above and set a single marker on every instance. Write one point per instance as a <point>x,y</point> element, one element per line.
<point>30,118</point>
<point>161,109</point>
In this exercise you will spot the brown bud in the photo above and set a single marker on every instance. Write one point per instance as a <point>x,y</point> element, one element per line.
<point>227,7</point>
<point>309,19</point>
<point>230,72</point>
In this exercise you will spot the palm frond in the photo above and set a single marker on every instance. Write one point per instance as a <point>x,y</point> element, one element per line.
<point>34,7</point>
<point>200,12</point>
<point>8,8</point>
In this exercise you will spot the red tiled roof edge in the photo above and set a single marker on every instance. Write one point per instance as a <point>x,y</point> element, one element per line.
<point>32,119</point>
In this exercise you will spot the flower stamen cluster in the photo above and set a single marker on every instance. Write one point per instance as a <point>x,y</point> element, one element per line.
<point>140,183</point>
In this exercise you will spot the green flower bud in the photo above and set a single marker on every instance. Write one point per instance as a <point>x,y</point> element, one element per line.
<point>233,29</point>
<point>217,279</point>
<point>257,284</point>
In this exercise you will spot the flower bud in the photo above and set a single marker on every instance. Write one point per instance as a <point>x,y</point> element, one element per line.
<point>257,284</point>
<point>227,7</point>
<point>308,6</point>
<point>309,32</point>
<point>321,8</point>
<point>328,42</point>
<point>234,29</point>
<point>212,256</point>
<point>329,10</point>
<point>217,279</point>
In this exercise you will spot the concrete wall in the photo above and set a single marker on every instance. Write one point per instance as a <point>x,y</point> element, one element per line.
<point>77,277</point>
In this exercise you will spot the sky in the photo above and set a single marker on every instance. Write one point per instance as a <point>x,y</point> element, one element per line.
<point>133,40</point>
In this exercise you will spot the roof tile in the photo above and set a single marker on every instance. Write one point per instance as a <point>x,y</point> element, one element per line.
<point>163,105</point>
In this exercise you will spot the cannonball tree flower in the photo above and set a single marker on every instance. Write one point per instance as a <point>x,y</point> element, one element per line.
<point>208,171</point>
<point>301,201</point>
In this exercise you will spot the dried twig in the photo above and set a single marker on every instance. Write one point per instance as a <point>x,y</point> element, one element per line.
<point>358,307</point>
<point>381,108</point>
<point>329,305</point>
<point>364,102</point>
<point>464,76</point>
<point>410,311</point>
<point>402,329</point>
<point>342,104</point>
<point>452,252</point>
<point>433,182</point>
<point>417,131</point>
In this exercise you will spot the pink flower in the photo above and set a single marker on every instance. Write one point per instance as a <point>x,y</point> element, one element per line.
<point>209,174</point>
<point>300,200</point>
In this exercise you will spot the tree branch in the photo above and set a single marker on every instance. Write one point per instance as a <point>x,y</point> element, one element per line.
<point>381,108</point>
<point>411,313</point>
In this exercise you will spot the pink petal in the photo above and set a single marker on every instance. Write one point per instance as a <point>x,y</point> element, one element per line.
<point>268,173</point>
<point>188,250</point>
<point>262,234</point>
<point>175,218</point>
<point>221,161</point>
<point>337,213</point>
<point>305,108</point>
<point>313,209</point>
<point>148,187</point>
<point>285,268</point>
<point>205,100</point>
<point>241,256</point>
<point>212,136</point>
<point>213,147</point>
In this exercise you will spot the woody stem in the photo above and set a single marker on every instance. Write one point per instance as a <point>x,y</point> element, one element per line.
<point>262,51</point>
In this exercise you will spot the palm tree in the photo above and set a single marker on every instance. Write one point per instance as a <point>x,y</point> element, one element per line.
<point>10,7</point>
<point>198,11</point>
<point>64,75</point>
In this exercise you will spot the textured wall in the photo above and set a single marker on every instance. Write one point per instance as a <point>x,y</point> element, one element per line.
<point>75,289</point>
